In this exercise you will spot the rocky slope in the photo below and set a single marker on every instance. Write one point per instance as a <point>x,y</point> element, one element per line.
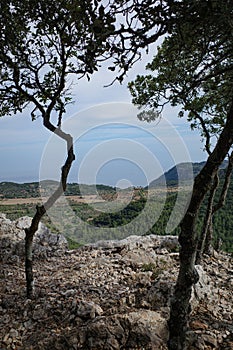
<point>110,295</point>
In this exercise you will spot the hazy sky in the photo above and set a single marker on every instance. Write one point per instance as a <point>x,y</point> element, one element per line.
<point>112,146</point>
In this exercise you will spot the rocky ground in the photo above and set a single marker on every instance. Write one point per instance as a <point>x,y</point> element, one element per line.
<point>109,295</point>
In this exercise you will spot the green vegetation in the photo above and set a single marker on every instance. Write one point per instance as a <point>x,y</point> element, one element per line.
<point>36,189</point>
<point>156,271</point>
<point>73,244</point>
<point>223,219</point>
<point>95,217</point>
<point>181,173</point>
<point>120,216</point>
<point>16,211</point>
<point>15,190</point>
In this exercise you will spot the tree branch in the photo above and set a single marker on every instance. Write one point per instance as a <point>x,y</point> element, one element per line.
<point>205,130</point>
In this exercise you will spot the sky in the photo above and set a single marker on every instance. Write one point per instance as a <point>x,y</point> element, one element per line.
<point>112,146</point>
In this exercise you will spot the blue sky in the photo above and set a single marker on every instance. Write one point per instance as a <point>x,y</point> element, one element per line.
<point>111,144</point>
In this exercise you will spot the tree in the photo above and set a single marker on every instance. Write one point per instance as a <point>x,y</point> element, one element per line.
<point>193,68</point>
<point>205,242</point>
<point>43,43</point>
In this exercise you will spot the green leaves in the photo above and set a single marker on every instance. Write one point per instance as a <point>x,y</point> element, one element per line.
<point>42,42</point>
<point>192,68</point>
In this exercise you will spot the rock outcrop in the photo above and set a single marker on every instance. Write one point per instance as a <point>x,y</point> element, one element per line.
<point>109,295</point>
<point>12,236</point>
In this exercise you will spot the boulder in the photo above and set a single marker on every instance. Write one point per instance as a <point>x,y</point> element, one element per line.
<point>134,330</point>
<point>202,288</point>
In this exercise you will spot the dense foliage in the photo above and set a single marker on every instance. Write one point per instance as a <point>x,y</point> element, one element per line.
<point>190,66</point>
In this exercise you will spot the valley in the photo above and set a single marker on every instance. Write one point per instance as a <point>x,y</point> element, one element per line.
<point>84,208</point>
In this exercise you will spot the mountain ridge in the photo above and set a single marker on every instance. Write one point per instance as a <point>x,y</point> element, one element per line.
<point>182,173</point>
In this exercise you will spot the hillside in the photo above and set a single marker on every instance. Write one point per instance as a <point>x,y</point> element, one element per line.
<point>184,171</point>
<point>107,296</point>
<point>102,218</point>
<point>35,189</point>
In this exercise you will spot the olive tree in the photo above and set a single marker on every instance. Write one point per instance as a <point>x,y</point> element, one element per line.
<point>45,44</point>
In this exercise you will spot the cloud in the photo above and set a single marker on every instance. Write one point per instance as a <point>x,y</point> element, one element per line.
<point>98,115</point>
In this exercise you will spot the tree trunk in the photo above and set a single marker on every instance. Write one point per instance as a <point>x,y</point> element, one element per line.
<point>208,247</point>
<point>207,225</point>
<point>41,210</point>
<point>29,232</point>
<point>187,277</point>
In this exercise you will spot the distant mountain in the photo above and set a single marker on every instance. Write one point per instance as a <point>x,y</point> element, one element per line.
<point>15,190</point>
<point>181,173</point>
<point>35,189</point>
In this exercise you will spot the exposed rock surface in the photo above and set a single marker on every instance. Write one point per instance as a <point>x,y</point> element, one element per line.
<point>12,239</point>
<point>108,295</point>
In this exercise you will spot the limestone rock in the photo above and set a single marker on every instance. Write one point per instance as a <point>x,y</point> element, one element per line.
<point>143,242</point>
<point>202,288</point>
<point>107,296</point>
<point>135,330</point>
<point>12,236</point>
<point>88,310</point>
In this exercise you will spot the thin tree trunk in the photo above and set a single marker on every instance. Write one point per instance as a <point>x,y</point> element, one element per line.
<point>208,246</point>
<point>207,225</point>
<point>188,276</point>
<point>41,210</point>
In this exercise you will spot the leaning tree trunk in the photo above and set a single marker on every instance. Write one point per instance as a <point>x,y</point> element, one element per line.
<point>188,276</point>
<point>41,210</point>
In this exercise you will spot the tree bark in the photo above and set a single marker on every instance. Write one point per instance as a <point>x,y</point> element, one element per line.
<point>41,210</point>
<point>29,232</point>
<point>208,242</point>
<point>188,276</point>
<point>207,225</point>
